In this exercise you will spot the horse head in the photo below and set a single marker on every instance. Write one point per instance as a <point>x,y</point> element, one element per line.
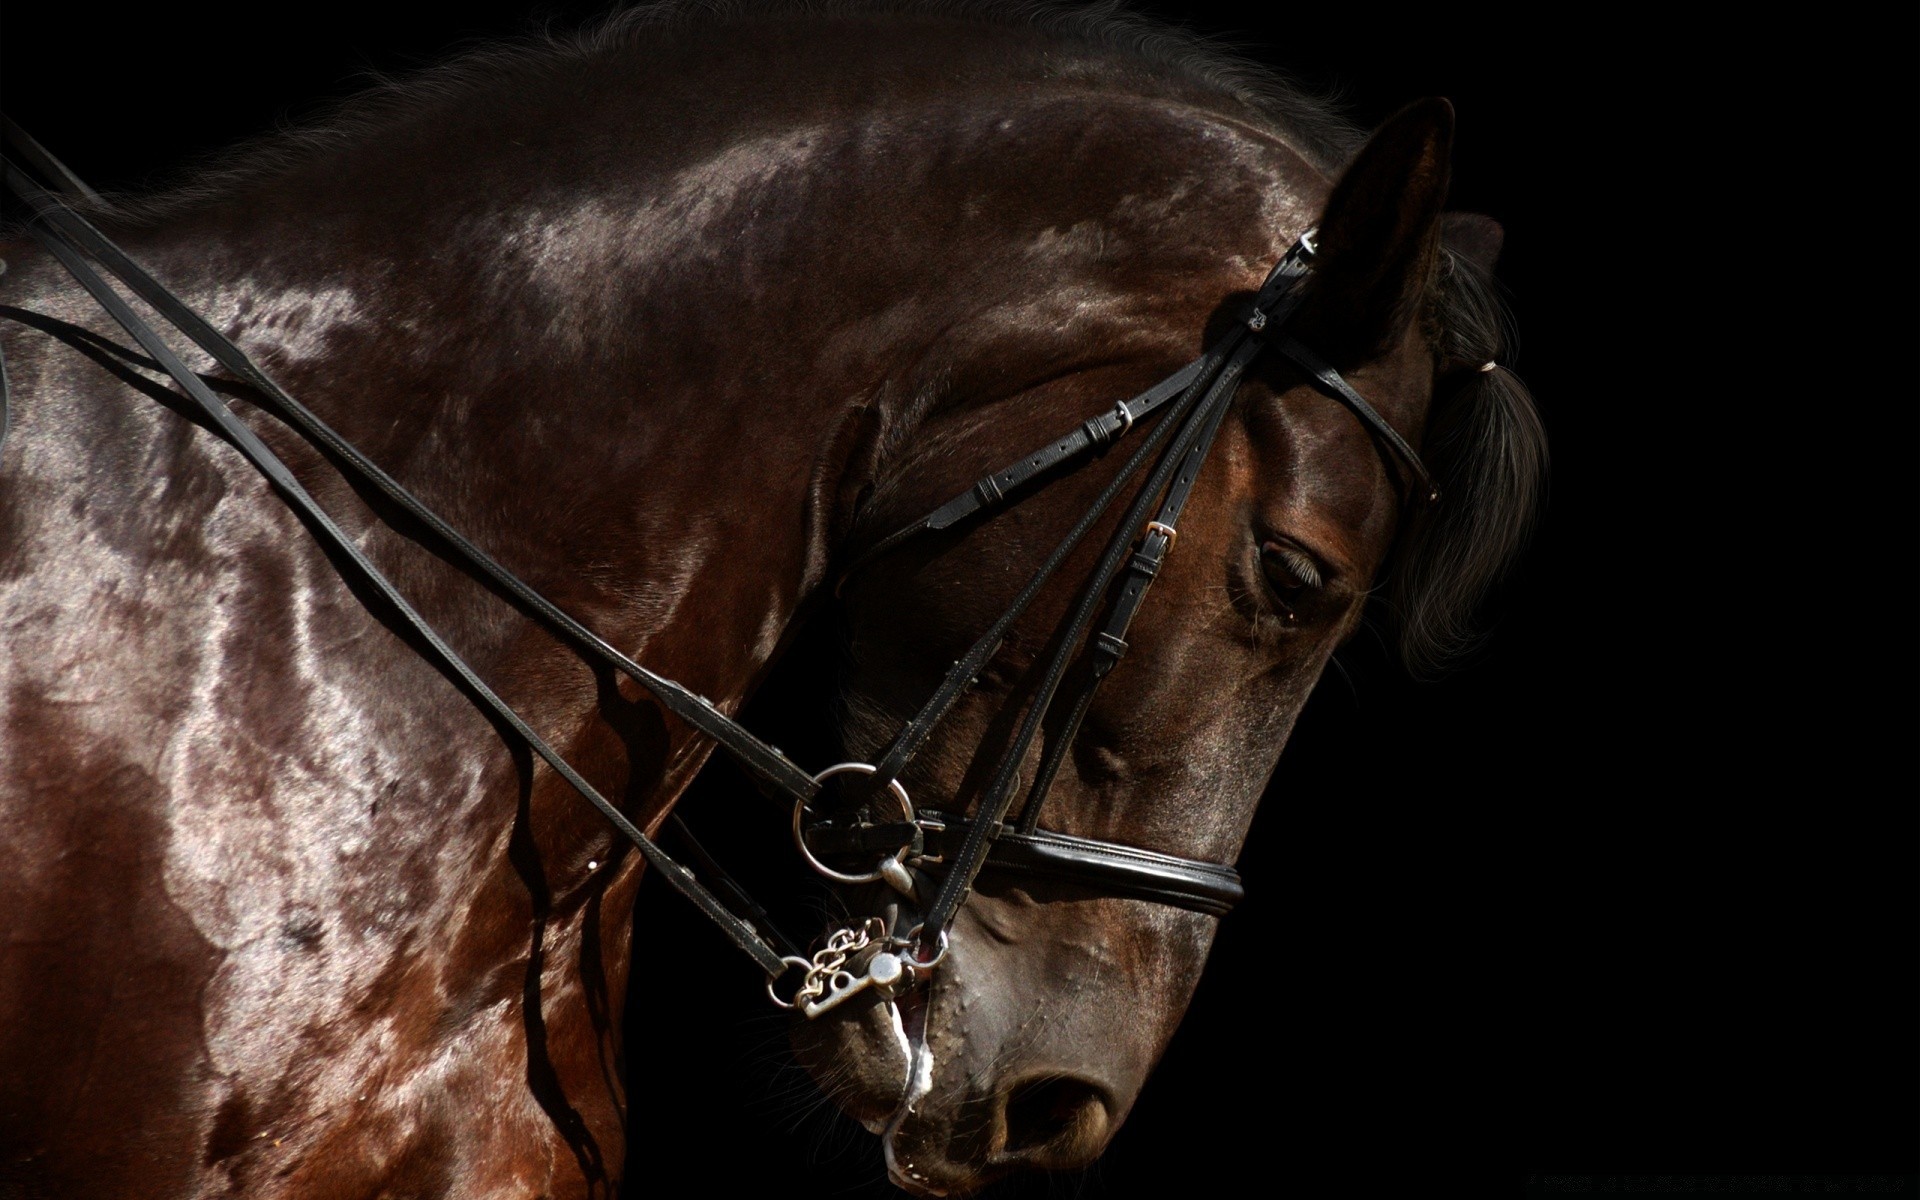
<point>1032,1038</point>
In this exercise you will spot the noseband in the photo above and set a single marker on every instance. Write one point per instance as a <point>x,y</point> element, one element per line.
<point>917,847</point>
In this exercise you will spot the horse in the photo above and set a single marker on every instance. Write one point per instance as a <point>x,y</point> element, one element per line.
<point>679,318</point>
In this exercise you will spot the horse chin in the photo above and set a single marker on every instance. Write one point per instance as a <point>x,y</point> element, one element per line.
<point>860,1055</point>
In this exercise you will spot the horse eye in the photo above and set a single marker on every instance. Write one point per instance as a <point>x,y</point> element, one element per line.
<point>1291,576</point>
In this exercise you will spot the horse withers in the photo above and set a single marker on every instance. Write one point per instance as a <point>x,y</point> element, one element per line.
<point>678,320</point>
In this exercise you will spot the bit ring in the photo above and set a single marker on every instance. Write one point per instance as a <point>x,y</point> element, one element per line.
<point>800,836</point>
<point>791,961</point>
<point>913,956</point>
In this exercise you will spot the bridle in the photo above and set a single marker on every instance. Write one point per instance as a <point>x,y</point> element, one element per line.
<point>874,954</point>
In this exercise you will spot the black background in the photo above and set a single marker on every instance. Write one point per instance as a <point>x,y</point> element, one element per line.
<point>1633,891</point>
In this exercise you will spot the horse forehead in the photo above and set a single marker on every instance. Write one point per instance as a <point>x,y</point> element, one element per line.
<point>1311,469</point>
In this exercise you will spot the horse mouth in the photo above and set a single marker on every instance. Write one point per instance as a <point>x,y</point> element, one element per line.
<point>866,1056</point>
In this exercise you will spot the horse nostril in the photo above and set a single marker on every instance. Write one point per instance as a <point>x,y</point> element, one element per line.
<point>1058,1119</point>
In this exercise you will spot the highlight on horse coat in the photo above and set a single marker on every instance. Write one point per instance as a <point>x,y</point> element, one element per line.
<point>495,435</point>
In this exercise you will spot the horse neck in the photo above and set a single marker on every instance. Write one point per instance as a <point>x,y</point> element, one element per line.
<point>650,388</point>
<point>652,455</point>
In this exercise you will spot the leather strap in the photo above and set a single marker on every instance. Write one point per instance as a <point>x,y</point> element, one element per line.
<point>756,756</point>
<point>1237,352</point>
<point>51,169</point>
<point>1277,301</point>
<point>963,673</point>
<point>1109,868</point>
<point>741,899</point>
<point>993,489</point>
<point>53,235</point>
<point>68,183</point>
<point>1336,386</point>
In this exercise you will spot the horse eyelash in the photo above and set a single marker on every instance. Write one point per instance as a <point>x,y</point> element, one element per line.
<point>1304,568</point>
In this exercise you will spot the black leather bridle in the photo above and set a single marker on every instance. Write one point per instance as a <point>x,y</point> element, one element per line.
<point>1189,405</point>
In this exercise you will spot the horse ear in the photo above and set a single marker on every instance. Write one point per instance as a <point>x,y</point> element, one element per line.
<point>1379,234</point>
<point>1473,237</point>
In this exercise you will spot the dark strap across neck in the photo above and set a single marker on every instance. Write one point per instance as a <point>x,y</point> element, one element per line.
<point>64,233</point>
<point>759,758</point>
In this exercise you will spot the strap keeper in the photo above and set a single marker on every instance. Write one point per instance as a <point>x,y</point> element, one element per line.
<point>1144,563</point>
<point>1110,645</point>
<point>1099,430</point>
<point>988,489</point>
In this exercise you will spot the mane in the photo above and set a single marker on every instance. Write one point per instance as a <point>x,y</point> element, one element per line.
<point>1487,451</point>
<point>1107,29</point>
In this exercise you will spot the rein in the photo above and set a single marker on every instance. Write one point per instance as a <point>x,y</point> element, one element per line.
<point>1190,404</point>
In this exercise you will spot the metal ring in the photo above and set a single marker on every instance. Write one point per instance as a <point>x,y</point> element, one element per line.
<point>774,996</point>
<point>800,837</point>
<point>913,939</point>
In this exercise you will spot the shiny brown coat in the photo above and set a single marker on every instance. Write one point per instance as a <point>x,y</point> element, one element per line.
<point>669,326</point>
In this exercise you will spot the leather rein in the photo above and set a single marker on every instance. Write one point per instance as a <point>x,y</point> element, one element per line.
<point>1190,405</point>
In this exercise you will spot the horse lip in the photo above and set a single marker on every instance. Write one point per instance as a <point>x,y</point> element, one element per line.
<point>910,1185</point>
<point>908,1013</point>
